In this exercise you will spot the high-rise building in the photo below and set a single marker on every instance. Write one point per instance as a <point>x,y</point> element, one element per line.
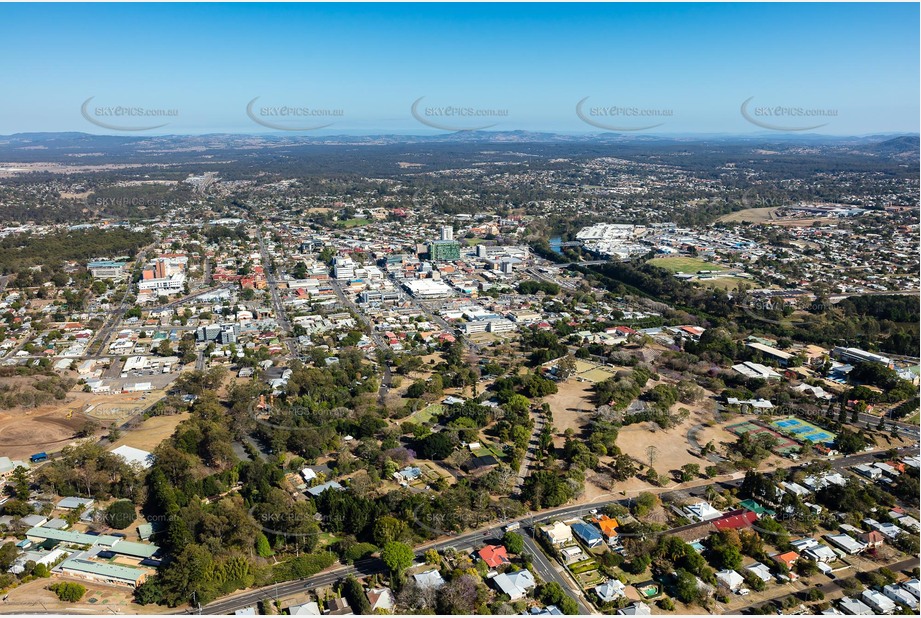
<point>447,232</point>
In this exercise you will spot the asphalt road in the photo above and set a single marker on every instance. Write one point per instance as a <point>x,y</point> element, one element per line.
<point>545,568</point>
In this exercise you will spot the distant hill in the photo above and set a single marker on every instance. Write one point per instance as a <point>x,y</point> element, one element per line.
<point>904,145</point>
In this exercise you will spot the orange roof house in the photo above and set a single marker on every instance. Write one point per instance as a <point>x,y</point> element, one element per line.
<point>494,555</point>
<point>608,526</point>
<point>788,558</point>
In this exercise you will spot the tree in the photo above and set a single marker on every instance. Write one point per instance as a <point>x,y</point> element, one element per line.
<point>263,549</point>
<point>120,514</point>
<point>388,529</point>
<point>354,593</point>
<point>689,472</point>
<point>164,348</point>
<point>397,556</point>
<point>69,592</point>
<point>652,453</point>
<point>513,542</point>
<point>566,367</point>
<point>849,442</point>
<point>686,589</point>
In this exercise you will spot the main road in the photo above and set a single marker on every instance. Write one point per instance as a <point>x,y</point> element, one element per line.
<point>280,316</point>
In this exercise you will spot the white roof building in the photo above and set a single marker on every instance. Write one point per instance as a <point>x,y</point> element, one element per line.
<point>855,607</point>
<point>846,543</point>
<point>610,590</point>
<point>134,455</point>
<point>516,585</point>
<point>558,533</point>
<point>702,511</point>
<point>878,601</point>
<point>429,579</point>
<point>730,579</point>
<point>821,553</point>
<point>761,571</point>
<point>901,596</point>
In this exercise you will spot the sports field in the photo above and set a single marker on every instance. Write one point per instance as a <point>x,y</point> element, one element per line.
<point>687,265</point>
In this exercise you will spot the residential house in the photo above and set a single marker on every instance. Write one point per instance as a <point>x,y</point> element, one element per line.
<point>901,596</point>
<point>516,585</point>
<point>339,607</point>
<point>558,533</point>
<point>380,599</point>
<point>494,556</point>
<point>587,533</point>
<point>877,601</point>
<point>636,609</point>
<point>761,571</point>
<point>821,554</point>
<point>429,579</point>
<point>855,607</point>
<point>872,539</point>
<point>787,559</point>
<point>611,590</point>
<point>846,543</point>
<point>730,579</point>
<point>701,511</point>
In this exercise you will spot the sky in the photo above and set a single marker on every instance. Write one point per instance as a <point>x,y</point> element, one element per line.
<point>319,69</point>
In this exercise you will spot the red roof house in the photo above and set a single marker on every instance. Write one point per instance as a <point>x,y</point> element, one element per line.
<point>736,520</point>
<point>494,555</point>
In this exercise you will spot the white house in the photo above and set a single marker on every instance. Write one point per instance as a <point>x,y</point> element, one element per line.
<point>855,607</point>
<point>558,533</point>
<point>821,553</point>
<point>877,601</point>
<point>516,585</point>
<point>760,571</point>
<point>429,579</point>
<point>702,511</point>
<point>610,590</point>
<point>730,579</point>
<point>901,596</point>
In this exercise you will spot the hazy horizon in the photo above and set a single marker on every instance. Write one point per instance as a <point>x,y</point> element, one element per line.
<point>430,69</point>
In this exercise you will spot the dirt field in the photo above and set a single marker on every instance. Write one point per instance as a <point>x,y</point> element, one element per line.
<point>24,432</point>
<point>672,448</point>
<point>33,598</point>
<point>571,407</point>
<point>152,431</point>
<point>751,215</point>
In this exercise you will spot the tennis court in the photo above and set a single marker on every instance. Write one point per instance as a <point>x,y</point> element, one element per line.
<point>754,428</point>
<point>802,431</point>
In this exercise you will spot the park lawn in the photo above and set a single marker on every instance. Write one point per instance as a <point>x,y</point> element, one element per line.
<point>914,418</point>
<point>723,283</point>
<point>684,264</point>
<point>325,539</point>
<point>354,222</point>
<point>426,414</point>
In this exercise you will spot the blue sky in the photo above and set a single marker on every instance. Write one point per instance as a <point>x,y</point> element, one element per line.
<point>686,67</point>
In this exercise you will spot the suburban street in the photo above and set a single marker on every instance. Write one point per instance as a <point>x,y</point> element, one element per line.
<point>542,564</point>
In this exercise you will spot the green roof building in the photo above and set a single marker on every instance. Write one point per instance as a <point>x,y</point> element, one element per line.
<point>444,251</point>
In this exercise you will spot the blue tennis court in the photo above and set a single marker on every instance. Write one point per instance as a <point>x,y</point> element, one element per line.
<point>802,431</point>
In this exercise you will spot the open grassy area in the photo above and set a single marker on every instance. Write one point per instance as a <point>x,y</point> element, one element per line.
<point>426,414</point>
<point>355,222</point>
<point>684,264</point>
<point>725,283</point>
